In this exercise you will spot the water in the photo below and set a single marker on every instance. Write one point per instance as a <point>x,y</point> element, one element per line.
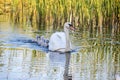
<point>98,56</point>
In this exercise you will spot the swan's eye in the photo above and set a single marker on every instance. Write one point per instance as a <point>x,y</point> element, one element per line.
<point>70,24</point>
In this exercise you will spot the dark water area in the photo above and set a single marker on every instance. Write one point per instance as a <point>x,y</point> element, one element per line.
<point>98,56</point>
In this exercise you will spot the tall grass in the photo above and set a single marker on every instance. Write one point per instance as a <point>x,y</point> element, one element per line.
<point>83,13</point>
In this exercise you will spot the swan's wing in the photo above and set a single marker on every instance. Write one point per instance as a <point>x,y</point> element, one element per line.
<point>61,37</point>
<point>57,41</point>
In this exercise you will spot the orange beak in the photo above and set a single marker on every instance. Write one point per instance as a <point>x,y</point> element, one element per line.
<point>72,28</point>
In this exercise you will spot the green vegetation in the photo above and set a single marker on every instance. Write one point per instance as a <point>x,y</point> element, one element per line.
<point>83,13</point>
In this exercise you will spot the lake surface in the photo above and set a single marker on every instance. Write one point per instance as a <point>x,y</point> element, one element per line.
<point>97,56</point>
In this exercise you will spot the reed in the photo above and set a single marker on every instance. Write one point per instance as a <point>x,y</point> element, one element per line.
<point>83,13</point>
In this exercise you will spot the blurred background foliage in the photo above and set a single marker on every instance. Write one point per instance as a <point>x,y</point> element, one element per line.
<point>88,14</point>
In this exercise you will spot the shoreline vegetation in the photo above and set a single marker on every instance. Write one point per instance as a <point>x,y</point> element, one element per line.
<point>90,14</point>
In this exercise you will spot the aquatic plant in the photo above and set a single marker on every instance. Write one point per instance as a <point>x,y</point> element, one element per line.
<point>83,13</point>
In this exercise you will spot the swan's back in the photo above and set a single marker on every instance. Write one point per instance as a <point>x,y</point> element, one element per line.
<point>57,41</point>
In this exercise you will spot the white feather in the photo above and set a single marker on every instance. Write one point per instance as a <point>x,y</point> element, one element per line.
<point>57,41</point>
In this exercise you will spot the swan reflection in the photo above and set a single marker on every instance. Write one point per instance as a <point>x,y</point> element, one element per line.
<point>59,65</point>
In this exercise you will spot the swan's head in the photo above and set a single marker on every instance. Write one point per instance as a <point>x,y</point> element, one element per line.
<point>69,26</point>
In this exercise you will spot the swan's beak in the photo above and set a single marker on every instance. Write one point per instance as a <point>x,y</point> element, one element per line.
<point>72,28</point>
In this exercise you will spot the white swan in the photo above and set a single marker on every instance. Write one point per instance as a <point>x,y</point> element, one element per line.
<point>60,41</point>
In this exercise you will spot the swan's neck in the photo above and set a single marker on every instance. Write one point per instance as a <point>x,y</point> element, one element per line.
<point>67,39</point>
